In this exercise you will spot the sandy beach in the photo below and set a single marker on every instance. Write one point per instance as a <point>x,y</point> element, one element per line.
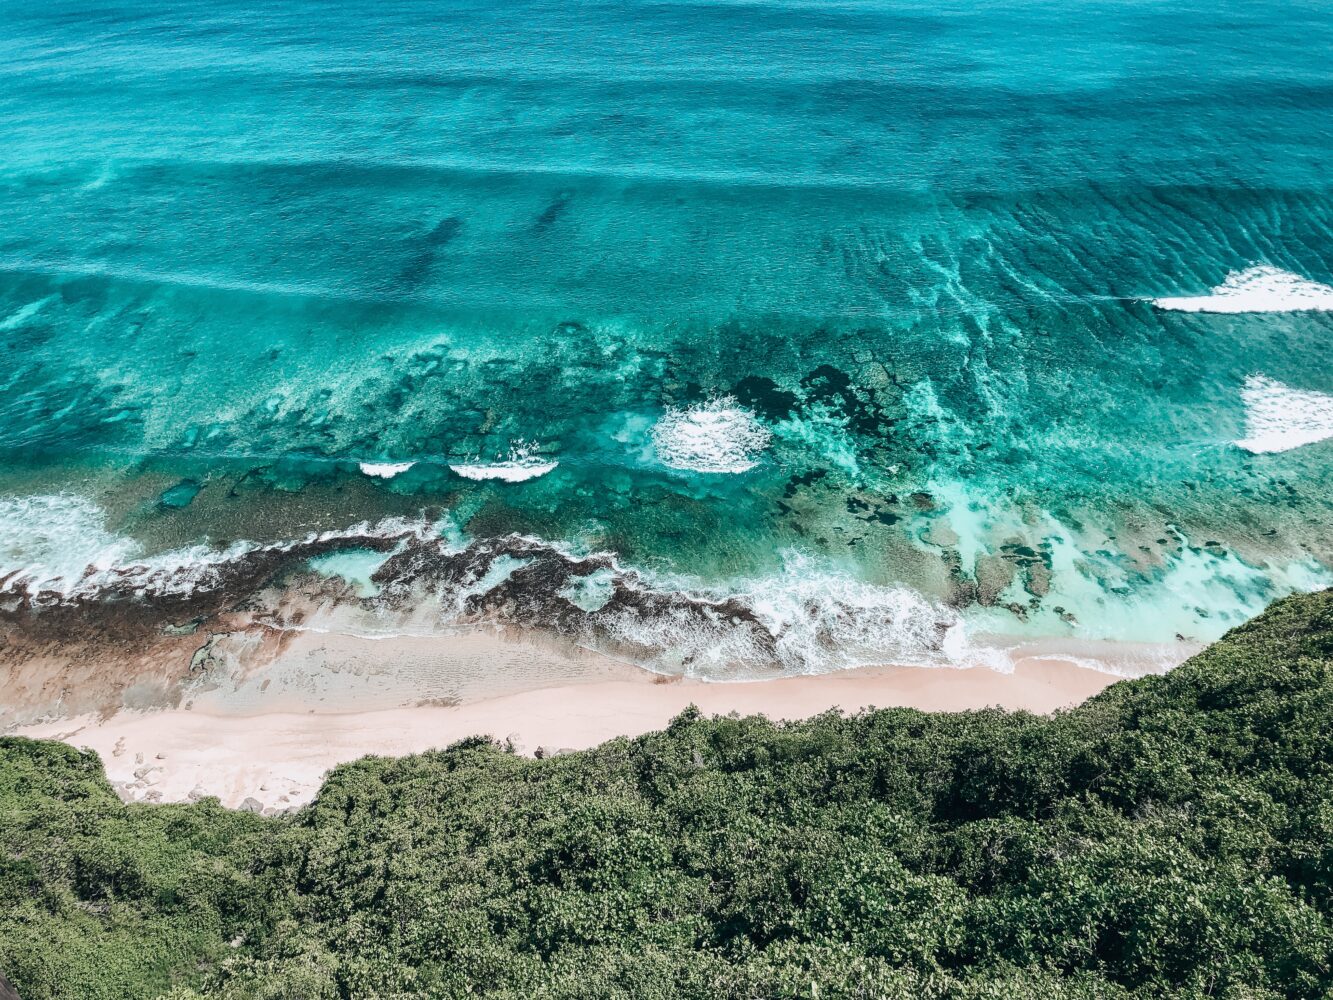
<point>265,739</point>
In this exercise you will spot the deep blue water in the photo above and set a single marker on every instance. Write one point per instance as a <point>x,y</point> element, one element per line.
<point>911,249</point>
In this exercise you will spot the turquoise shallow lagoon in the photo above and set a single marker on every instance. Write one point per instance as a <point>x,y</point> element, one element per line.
<point>839,318</point>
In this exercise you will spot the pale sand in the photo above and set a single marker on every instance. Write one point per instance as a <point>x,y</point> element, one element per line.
<point>229,744</point>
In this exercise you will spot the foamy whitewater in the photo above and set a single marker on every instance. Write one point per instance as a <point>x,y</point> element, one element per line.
<point>807,619</point>
<point>1256,289</point>
<point>1280,418</point>
<point>520,466</point>
<point>59,546</point>
<point>716,436</point>
<point>52,542</point>
<point>385,470</point>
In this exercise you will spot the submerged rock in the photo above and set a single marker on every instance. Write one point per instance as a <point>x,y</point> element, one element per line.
<point>181,495</point>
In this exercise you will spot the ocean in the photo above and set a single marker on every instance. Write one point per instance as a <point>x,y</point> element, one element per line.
<point>730,338</point>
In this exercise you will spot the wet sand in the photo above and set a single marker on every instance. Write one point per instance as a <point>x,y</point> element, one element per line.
<point>265,740</point>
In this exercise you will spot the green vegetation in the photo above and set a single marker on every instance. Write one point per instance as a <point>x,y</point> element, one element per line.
<point>1171,837</point>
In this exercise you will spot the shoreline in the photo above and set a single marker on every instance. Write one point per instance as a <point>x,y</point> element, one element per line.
<point>272,757</point>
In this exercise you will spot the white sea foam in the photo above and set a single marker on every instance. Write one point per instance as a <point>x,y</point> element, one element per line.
<point>50,542</point>
<point>823,619</point>
<point>59,543</point>
<point>385,470</point>
<point>1256,289</point>
<point>521,465</point>
<point>717,436</point>
<point>1280,418</point>
<point>807,619</point>
<point>511,471</point>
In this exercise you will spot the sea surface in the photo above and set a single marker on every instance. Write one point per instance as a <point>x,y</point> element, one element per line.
<point>725,336</point>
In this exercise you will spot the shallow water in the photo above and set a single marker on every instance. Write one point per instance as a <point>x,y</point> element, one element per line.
<point>870,315</point>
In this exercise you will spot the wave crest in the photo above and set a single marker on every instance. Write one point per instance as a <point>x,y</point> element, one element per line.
<point>384,470</point>
<point>1256,289</point>
<point>521,465</point>
<point>58,547</point>
<point>1280,418</point>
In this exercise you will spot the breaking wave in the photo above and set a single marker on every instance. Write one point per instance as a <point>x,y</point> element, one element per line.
<point>1256,289</point>
<point>58,546</point>
<point>717,436</point>
<point>806,619</point>
<point>384,470</point>
<point>521,465</point>
<point>1280,418</point>
<point>803,620</point>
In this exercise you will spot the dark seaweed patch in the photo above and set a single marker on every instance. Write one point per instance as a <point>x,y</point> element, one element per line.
<point>804,479</point>
<point>765,397</point>
<point>872,512</point>
<point>858,404</point>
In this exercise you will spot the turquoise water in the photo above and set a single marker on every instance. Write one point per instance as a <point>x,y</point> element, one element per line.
<point>847,301</point>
